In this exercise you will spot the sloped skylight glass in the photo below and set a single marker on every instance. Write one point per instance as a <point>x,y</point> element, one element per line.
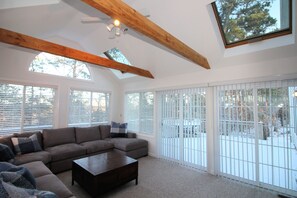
<point>246,21</point>
<point>116,55</point>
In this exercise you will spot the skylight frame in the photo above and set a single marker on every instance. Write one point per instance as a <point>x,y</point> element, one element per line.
<point>270,35</point>
<point>124,58</point>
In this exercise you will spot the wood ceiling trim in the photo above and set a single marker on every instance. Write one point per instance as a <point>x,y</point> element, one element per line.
<point>130,17</point>
<point>21,40</point>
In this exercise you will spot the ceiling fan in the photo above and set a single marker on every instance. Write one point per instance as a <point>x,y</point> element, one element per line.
<point>114,26</point>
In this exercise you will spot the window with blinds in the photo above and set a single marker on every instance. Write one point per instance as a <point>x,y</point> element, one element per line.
<point>182,129</point>
<point>25,108</point>
<point>139,112</point>
<point>87,108</point>
<point>257,133</point>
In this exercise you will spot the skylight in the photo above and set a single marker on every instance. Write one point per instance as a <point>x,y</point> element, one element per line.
<point>241,22</point>
<point>116,55</point>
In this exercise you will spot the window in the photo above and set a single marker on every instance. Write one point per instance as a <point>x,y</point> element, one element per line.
<point>257,131</point>
<point>25,108</point>
<point>87,108</point>
<point>60,66</point>
<point>182,126</point>
<point>139,112</point>
<point>116,55</point>
<point>242,22</point>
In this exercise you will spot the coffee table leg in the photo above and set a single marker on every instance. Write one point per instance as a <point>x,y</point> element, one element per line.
<point>136,181</point>
<point>72,181</point>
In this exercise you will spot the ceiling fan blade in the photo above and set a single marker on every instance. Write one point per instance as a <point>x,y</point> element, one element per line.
<point>145,12</point>
<point>93,20</point>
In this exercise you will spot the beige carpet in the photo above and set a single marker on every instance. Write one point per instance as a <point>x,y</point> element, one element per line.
<point>162,179</point>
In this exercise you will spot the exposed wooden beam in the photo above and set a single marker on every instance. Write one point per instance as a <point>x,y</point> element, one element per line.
<point>14,38</point>
<point>130,17</point>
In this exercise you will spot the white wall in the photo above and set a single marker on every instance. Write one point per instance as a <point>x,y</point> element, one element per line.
<point>14,67</point>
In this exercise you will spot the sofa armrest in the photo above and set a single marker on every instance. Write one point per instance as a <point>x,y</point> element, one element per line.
<point>131,135</point>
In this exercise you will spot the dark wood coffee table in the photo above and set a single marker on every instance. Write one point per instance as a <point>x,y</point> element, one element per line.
<point>100,173</point>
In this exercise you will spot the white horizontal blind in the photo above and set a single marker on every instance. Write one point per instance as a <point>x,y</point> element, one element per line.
<point>88,108</point>
<point>25,108</point>
<point>139,112</point>
<point>257,128</point>
<point>182,126</point>
<point>38,108</point>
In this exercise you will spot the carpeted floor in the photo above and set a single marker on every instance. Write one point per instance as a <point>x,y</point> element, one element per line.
<point>162,179</point>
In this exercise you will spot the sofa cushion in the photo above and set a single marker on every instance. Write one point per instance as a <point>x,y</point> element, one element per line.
<point>37,169</point>
<point>24,145</point>
<point>6,154</point>
<point>87,134</point>
<point>52,183</point>
<point>128,144</point>
<point>53,137</point>
<point>118,129</point>
<point>43,156</point>
<point>97,146</point>
<point>104,131</point>
<point>66,151</point>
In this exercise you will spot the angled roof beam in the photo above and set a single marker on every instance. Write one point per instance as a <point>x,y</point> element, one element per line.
<point>21,40</point>
<point>130,17</point>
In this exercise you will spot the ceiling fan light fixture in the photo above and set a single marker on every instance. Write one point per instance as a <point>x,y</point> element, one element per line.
<point>116,23</point>
<point>110,27</point>
<point>118,31</point>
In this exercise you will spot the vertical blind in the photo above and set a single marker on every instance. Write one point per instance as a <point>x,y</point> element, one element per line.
<point>25,108</point>
<point>182,133</point>
<point>139,112</point>
<point>87,108</point>
<point>257,133</point>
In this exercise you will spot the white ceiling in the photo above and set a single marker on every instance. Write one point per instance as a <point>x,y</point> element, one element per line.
<point>190,21</point>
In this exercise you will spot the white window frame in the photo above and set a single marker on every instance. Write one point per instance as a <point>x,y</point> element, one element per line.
<point>139,127</point>
<point>57,74</point>
<point>257,178</point>
<point>182,130</point>
<point>90,122</point>
<point>23,128</point>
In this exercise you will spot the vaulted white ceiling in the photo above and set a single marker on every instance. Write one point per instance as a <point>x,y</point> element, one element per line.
<point>190,21</point>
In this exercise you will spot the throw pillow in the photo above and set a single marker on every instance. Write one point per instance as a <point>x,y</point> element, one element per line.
<point>17,175</point>
<point>118,129</point>
<point>6,154</point>
<point>24,145</point>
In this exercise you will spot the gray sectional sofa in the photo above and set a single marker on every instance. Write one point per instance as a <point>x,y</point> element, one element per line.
<point>61,146</point>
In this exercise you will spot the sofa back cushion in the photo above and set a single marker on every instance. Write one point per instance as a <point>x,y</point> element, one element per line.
<point>104,131</point>
<point>54,137</point>
<point>87,134</point>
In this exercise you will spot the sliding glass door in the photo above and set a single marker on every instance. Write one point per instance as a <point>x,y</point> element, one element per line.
<point>257,134</point>
<point>182,136</point>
